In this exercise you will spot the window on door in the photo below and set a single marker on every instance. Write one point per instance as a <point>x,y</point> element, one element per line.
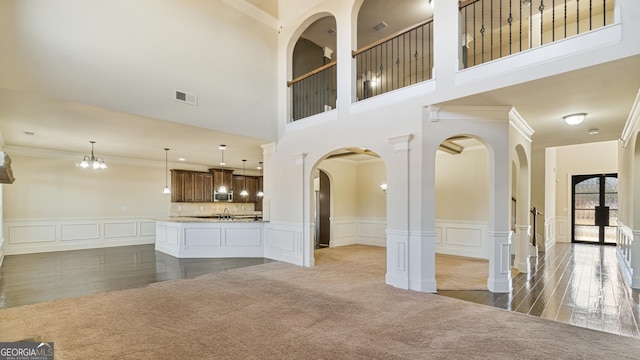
<point>594,215</point>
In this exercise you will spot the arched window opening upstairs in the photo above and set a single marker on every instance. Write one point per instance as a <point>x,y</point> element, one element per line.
<point>395,45</point>
<point>313,87</point>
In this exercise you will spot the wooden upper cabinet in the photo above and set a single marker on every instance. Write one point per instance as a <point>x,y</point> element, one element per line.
<point>177,186</point>
<point>191,186</point>
<point>248,183</point>
<point>197,186</point>
<point>222,177</point>
<point>203,187</point>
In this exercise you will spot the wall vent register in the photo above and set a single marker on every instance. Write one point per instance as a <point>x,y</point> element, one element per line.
<point>185,97</point>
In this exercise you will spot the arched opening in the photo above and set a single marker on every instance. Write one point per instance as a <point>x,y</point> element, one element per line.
<point>462,208</point>
<point>356,206</point>
<point>522,214</point>
<point>394,45</point>
<point>313,85</point>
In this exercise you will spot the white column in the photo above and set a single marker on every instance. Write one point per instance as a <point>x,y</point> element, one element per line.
<point>398,214</point>
<point>522,248</point>
<point>499,265</point>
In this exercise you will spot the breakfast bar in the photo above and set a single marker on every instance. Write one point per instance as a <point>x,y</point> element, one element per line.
<point>210,237</point>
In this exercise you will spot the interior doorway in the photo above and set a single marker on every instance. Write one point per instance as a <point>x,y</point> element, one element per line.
<point>323,211</point>
<point>594,213</point>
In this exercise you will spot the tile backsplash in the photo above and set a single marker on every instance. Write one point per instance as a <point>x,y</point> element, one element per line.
<point>211,208</point>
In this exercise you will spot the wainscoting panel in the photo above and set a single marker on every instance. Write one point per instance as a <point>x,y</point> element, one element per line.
<point>363,231</point>
<point>372,232</point>
<point>26,236</point>
<point>284,242</point>
<point>462,238</point>
<point>120,229</point>
<point>344,232</point>
<point>563,229</point>
<point>147,228</point>
<point>22,234</point>
<point>243,237</point>
<point>202,237</point>
<point>79,232</point>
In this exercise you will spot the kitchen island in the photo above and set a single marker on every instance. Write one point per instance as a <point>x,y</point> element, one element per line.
<point>210,237</point>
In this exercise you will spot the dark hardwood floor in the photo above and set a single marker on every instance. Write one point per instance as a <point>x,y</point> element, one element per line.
<point>576,284</point>
<point>32,278</point>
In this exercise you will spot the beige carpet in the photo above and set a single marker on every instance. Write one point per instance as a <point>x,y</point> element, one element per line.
<point>341,309</point>
<point>461,273</point>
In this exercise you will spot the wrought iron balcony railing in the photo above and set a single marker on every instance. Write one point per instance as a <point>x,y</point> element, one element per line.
<point>401,59</point>
<point>492,29</point>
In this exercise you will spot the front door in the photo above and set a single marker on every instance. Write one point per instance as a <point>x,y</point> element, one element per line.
<point>595,209</point>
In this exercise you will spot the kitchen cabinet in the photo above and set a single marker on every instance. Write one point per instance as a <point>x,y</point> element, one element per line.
<point>203,187</point>
<point>249,183</point>
<point>198,186</point>
<point>191,186</point>
<point>225,177</point>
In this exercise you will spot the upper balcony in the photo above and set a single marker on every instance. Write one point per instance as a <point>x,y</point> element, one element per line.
<point>488,31</point>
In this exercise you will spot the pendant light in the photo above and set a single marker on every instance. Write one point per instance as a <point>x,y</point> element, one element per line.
<point>222,189</point>
<point>260,193</point>
<point>93,161</point>
<point>166,172</point>
<point>244,174</point>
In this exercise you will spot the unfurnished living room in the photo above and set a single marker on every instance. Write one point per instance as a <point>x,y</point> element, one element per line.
<point>319,179</point>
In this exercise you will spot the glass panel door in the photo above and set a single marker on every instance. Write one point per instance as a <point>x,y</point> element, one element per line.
<point>595,208</point>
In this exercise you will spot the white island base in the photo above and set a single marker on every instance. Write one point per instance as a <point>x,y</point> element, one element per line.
<point>210,239</point>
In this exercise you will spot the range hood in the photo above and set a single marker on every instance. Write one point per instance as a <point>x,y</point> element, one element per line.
<point>6,175</point>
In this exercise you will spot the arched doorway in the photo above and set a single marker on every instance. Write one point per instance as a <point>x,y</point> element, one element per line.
<point>462,214</point>
<point>348,203</point>
<point>323,209</point>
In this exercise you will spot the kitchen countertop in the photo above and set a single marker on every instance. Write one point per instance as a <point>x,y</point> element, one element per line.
<point>212,219</point>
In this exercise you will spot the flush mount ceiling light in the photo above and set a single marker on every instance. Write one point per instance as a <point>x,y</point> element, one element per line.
<point>244,174</point>
<point>260,193</point>
<point>93,161</point>
<point>574,119</point>
<point>222,189</point>
<point>166,172</point>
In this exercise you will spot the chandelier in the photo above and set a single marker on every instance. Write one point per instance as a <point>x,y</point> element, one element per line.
<point>93,161</point>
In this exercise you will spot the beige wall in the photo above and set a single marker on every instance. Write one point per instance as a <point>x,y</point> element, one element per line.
<point>344,186</point>
<point>53,188</point>
<point>591,158</point>
<point>462,185</point>
<point>372,201</point>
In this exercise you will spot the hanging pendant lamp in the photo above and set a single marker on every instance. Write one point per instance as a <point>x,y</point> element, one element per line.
<point>244,174</point>
<point>166,172</point>
<point>222,189</point>
<point>260,193</point>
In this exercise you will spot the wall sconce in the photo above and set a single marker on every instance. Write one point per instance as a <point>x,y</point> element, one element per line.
<point>384,187</point>
<point>574,119</point>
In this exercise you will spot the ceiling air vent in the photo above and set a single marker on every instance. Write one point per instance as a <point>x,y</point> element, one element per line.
<point>186,97</point>
<point>380,26</point>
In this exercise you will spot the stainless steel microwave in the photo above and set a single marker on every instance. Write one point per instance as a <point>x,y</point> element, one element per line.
<point>222,197</point>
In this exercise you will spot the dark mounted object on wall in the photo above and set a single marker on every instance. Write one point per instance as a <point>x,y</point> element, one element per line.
<point>6,174</point>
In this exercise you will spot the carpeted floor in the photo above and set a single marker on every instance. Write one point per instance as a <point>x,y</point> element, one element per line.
<point>340,309</point>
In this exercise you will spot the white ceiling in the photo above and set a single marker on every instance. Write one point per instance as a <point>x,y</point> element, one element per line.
<point>75,71</point>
